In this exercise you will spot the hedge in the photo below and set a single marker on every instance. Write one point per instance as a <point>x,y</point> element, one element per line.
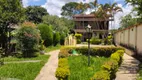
<point>110,67</point>
<point>95,51</point>
<point>62,72</point>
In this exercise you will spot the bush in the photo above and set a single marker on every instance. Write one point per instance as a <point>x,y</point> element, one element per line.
<point>78,38</point>
<point>78,41</point>
<point>64,52</point>
<point>56,39</point>
<point>28,39</point>
<point>101,75</point>
<point>118,56</point>
<point>110,67</point>
<point>1,57</point>
<point>63,62</point>
<point>62,72</point>
<point>46,34</point>
<point>95,41</point>
<point>115,56</point>
<point>62,39</point>
<point>97,51</point>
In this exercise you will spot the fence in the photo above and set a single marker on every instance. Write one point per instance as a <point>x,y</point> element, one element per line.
<point>130,37</point>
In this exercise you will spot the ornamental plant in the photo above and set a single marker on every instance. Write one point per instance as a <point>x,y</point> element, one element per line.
<point>28,39</point>
<point>78,37</point>
<point>46,34</point>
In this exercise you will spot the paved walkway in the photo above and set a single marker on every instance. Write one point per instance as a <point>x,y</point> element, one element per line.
<point>128,69</point>
<point>48,70</point>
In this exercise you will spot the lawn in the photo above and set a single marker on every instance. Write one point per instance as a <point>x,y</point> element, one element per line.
<point>23,71</point>
<point>79,67</point>
<point>40,57</point>
<point>51,48</point>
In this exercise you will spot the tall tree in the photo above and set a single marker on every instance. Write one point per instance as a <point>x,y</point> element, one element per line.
<point>59,24</point>
<point>127,21</point>
<point>11,12</point>
<point>35,13</point>
<point>137,7</point>
<point>69,9</point>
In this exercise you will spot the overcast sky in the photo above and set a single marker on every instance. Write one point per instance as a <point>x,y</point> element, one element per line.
<point>54,7</point>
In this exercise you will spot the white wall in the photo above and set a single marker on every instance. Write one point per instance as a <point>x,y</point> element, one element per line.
<point>131,37</point>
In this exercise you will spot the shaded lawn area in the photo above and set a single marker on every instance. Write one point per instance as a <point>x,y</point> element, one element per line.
<point>23,71</point>
<point>79,67</point>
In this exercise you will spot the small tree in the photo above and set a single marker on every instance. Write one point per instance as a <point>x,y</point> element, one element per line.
<point>62,38</point>
<point>28,38</point>
<point>56,38</point>
<point>46,34</point>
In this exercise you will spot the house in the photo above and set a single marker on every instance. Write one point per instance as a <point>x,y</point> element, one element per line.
<point>99,26</point>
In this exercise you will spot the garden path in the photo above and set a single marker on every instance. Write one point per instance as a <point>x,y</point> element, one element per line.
<point>48,70</point>
<point>128,69</point>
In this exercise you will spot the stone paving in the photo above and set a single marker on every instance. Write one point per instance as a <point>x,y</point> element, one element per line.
<point>128,69</point>
<point>48,70</point>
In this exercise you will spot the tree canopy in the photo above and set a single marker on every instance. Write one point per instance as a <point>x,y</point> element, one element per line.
<point>127,21</point>
<point>61,25</point>
<point>11,11</point>
<point>69,9</point>
<point>35,13</point>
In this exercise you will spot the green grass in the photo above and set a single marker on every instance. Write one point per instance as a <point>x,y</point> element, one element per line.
<point>23,71</point>
<point>79,67</point>
<point>140,72</point>
<point>51,48</point>
<point>40,57</point>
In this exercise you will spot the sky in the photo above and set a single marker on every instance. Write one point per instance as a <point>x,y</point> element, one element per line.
<point>54,7</point>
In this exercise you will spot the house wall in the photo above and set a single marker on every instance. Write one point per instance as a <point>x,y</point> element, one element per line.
<point>130,37</point>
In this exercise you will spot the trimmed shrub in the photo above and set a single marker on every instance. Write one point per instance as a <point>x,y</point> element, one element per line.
<point>110,67</point>
<point>115,56</point>
<point>28,39</point>
<point>78,37</point>
<point>62,72</point>
<point>46,34</point>
<point>56,39</point>
<point>101,75</point>
<point>95,41</point>
<point>78,41</point>
<point>65,52</point>
<point>97,51</point>
<point>63,62</point>
<point>118,56</point>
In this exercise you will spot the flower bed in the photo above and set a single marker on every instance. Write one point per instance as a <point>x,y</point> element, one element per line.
<point>104,63</point>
